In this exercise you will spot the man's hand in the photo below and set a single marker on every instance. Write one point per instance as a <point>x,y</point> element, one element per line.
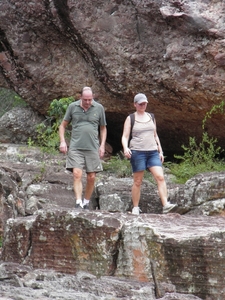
<point>101,151</point>
<point>63,147</point>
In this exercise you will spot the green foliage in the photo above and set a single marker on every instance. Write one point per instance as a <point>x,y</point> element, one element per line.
<point>120,167</point>
<point>47,136</point>
<point>217,108</point>
<point>48,131</point>
<point>199,157</point>
<point>203,153</point>
<point>8,100</point>
<point>184,171</point>
<point>40,176</point>
<point>57,108</point>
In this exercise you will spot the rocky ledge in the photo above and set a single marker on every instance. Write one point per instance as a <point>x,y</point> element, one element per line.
<point>106,253</point>
<point>164,253</point>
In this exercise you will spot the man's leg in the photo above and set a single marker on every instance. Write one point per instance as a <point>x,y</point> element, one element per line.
<point>89,188</point>
<point>92,166</point>
<point>77,185</point>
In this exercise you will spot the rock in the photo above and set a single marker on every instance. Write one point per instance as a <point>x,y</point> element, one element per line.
<point>148,248</point>
<point>48,284</point>
<point>32,180</point>
<point>204,194</point>
<point>168,256</point>
<point>170,50</point>
<point>19,124</point>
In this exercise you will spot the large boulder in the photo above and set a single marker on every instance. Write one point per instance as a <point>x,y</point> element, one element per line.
<point>19,124</point>
<point>171,50</point>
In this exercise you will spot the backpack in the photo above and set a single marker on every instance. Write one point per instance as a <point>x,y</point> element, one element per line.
<point>132,119</point>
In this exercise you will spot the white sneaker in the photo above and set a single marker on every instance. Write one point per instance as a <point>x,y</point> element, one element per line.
<point>169,207</point>
<point>136,210</point>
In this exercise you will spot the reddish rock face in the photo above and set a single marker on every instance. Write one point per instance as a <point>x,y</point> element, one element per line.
<point>66,242</point>
<point>183,250</point>
<point>172,51</point>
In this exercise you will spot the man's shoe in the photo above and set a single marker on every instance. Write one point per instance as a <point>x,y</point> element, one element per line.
<point>78,206</point>
<point>136,210</point>
<point>86,206</point>
<point>169,207</point>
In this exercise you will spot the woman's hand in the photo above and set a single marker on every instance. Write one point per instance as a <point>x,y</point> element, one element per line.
<point>127,153</point>
<point>161,156</point>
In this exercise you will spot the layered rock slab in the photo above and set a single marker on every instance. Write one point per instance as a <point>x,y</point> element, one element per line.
<point>185,251</point>
<point>28,284</point>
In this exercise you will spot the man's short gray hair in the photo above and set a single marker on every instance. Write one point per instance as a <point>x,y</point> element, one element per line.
<point>86,88</point>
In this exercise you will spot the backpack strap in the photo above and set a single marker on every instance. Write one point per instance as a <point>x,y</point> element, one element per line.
<point>132,119</point>
<point>152,115</point>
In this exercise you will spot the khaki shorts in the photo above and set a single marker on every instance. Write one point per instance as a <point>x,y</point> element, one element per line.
<point>84,159</point>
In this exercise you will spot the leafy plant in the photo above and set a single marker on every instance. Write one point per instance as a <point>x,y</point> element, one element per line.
<point>58,108</point>
<point>40,176</point>
<point>204,152</point>
<point>199,157</point>
<point>184,171</point>
<point>47,131</point>
<point>120,167</point>
<point>217,108</point>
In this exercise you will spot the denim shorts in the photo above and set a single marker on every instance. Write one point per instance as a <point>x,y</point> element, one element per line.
<point>143,160</point>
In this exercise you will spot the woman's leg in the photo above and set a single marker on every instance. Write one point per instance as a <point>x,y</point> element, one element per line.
<point>136,188</point>
<point>157,173</point>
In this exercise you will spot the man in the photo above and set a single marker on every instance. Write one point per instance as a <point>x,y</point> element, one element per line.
<point>85,150</point>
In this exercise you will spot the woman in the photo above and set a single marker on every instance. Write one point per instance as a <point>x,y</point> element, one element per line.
<point>144,152</point>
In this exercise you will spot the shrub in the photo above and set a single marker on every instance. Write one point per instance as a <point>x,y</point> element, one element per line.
<point>120,167</point>
<point>199,157</point>
<point>203,153</point>
<point>48,131</point>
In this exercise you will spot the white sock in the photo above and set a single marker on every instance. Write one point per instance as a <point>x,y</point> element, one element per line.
<point>78,201</point>
<point>86,201</point>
